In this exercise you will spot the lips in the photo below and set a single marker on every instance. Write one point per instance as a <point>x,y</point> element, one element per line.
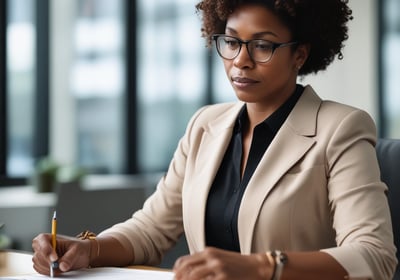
<point>243,81</point>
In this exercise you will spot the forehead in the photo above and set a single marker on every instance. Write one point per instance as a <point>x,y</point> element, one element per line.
<point>250,19</point>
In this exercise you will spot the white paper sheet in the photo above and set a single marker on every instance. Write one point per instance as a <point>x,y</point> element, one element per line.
<point>103,273</point>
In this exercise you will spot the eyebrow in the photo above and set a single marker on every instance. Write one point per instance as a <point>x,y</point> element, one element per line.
<point>255,35</point>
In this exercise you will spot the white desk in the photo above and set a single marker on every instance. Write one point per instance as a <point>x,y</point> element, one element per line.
<point>14,263</point>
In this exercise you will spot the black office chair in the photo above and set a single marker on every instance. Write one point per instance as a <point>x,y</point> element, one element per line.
<point>388,152</point>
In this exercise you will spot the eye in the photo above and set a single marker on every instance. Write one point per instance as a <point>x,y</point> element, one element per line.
<point>261,45</point>
<point>231,42</point>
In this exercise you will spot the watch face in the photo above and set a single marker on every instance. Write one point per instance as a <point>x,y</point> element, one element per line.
<point>283,258</point>
<point>280,256</point>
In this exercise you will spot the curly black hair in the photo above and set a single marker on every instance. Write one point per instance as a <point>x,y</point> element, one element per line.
<point>320,23</point>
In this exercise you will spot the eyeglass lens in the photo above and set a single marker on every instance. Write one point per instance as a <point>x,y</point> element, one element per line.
<point>259,50</point>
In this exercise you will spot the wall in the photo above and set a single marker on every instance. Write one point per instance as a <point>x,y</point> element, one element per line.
<point>354,80</point>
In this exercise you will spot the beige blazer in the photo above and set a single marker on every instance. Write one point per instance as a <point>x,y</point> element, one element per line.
<point>317,187</point>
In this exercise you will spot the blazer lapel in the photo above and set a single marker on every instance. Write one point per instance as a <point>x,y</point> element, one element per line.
<point>290,144</point>
<point>216,138</point>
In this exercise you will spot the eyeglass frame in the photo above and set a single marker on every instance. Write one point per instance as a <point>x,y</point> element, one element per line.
<point>241,42</point>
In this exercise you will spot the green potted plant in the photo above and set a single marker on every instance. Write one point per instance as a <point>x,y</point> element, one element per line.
<point>5,241</point>
<point>45,175</point>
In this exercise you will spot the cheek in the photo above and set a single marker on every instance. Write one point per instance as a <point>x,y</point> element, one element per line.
<point>227,66</point>
<point>279,69</point>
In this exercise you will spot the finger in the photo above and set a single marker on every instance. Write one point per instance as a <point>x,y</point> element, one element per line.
<point>66,262</point>
<point>40,260</point>
<point>73,257</point>
<point>41,270</point>
<point>42,243</point>
<point>200,272</point>
<point>185,265</point>
<point>189,260</point>
<point>40,266</point>
<point>184,262</point>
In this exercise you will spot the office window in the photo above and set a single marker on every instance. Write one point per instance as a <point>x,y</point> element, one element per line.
<point>20,92</point>
<point>88,84</point>
<point>390,65</point>
<point>97,117</point>
<point>171,81</point>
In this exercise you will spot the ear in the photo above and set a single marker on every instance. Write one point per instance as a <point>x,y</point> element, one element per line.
<point>301,55</point>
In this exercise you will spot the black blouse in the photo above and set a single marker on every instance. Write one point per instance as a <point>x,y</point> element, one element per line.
<point>227,189</point>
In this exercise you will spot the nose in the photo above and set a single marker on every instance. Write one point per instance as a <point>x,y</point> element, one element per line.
<point>243,59</point>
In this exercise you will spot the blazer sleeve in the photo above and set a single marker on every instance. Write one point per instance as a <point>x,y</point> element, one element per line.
<point>361,216</point>
<point>154,229</point>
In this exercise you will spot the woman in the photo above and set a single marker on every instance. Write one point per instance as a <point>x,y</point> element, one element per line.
<point>280,185</point>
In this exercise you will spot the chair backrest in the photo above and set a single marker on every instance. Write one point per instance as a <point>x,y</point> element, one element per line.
<point>388,153</point>
<point>95,210</point>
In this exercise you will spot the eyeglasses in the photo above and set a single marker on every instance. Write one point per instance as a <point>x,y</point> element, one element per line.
<point>228,47</point>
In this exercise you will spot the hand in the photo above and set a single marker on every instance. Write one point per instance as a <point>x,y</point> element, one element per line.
<point>71,253</point>
<point>213,263</point>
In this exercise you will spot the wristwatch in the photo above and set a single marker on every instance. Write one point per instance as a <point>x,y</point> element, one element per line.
<point>280,259</point>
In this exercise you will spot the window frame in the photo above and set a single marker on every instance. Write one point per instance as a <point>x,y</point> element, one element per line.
<point>3,95</point>
<point>41,107</point>
<point>382,125</point>
<point>131,118</point>
<point>42,116</point>
<point>42,79</point>
<point>41,137</point>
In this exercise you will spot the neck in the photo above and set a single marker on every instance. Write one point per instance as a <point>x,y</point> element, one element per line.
<point>258,112</point>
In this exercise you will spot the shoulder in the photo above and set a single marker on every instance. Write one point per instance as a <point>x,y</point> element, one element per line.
<point>343,117</point>
<point>333,113</point>
<point>313,116</point>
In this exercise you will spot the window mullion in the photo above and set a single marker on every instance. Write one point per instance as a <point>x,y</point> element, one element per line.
<point>3,88</point>
<point>131,121</point>
<point>41,109</point>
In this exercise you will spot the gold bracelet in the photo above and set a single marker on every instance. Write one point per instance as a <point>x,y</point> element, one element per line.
<point>272,262</point>
<point>87,234</point>
<point>91,237</point>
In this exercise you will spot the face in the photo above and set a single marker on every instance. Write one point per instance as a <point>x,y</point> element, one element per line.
<point>269,83</point>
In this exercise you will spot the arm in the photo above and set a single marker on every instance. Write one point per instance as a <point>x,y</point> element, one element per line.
<point>358,202</point>
<point>220,264</point>
<point>312,265</point>
<point>108,251</point>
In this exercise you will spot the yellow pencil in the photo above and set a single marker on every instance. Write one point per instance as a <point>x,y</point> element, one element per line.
<point>54,230</point>
<point>53,265</point>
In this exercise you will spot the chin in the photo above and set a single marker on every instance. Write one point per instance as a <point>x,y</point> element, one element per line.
<point>246,97</point>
